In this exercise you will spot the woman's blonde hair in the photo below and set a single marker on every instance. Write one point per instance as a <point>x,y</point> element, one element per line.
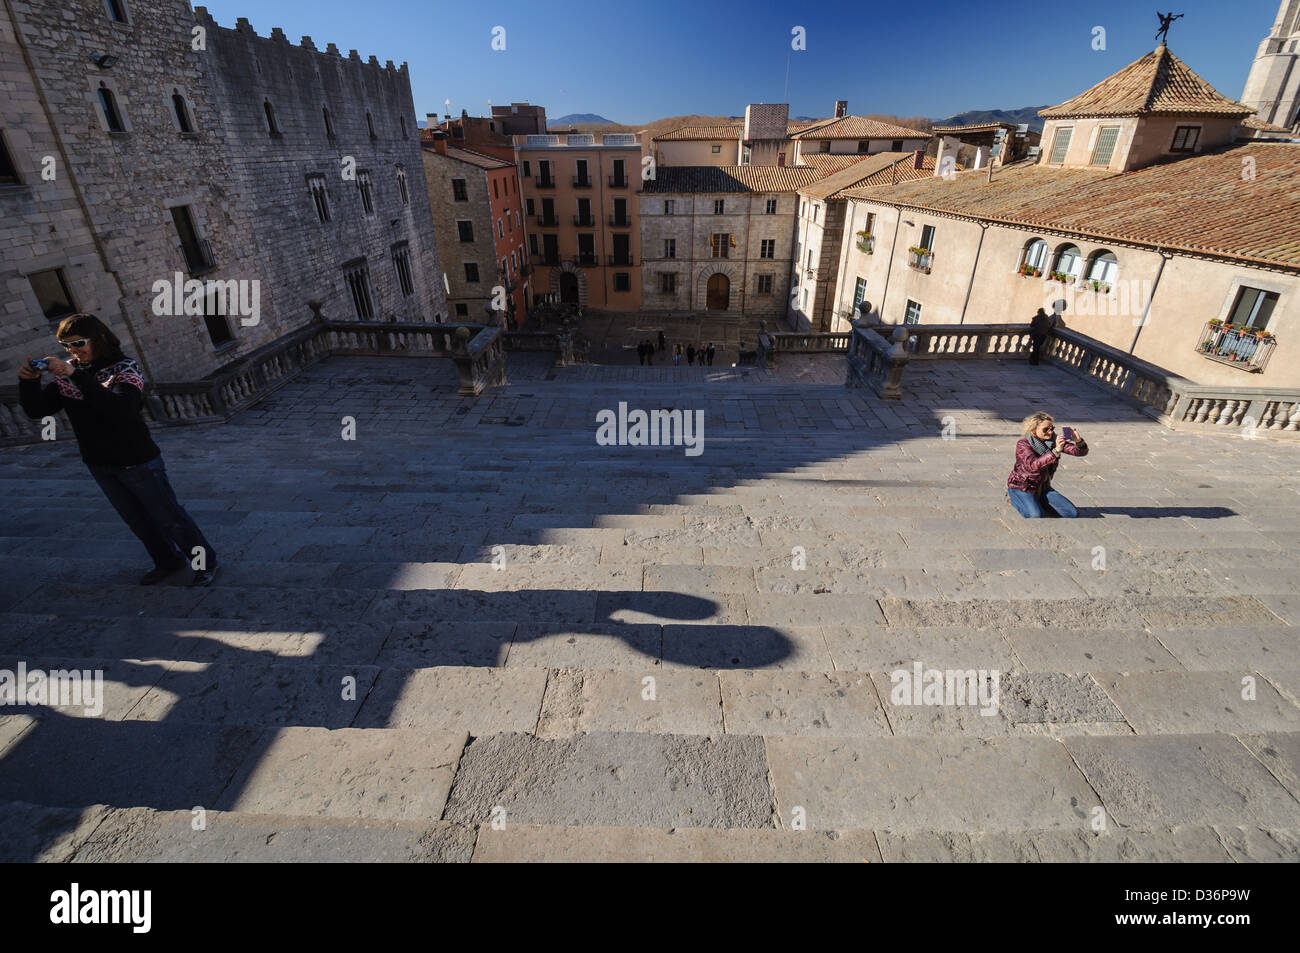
<point>1030,423</point>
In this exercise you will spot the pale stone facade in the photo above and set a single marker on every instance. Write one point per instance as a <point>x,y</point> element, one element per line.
<point>978,282</point>
<point>744,280</point>
<point>136,197</point>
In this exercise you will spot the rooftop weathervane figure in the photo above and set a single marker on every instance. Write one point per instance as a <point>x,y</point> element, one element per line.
<point>1166,20</point>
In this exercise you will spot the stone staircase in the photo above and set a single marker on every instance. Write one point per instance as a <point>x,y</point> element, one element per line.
<point>472,633</point>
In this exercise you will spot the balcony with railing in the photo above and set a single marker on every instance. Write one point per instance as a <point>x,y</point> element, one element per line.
<point>198,257</point>
<point>588,220</point>
<point>588,259</point>
<point>617,182</point>
<point>545,259</point>
<point>625,259</point>
<point>548,221</point>
<point>1246,348</point>
<point>620,221</point>
<point>920,259</point>
<point>545,182</point>
<point>582,181</point>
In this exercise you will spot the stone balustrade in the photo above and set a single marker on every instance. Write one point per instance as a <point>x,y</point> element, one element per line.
<point>477,350</point>
<point>875,364</point>
<point>1175,401</point>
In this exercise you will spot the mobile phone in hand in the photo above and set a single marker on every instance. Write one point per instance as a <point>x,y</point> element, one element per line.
<point>39,365</point>
<point>1069,434</point>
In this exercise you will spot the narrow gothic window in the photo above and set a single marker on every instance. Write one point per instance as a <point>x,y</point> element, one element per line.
<point>108,102</point>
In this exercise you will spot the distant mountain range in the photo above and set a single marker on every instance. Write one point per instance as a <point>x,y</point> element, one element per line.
<point>574,119</point>
<point>973,117</point>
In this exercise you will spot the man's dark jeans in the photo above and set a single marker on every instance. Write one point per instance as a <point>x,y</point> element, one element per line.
<point>144,499</point>
<point>1037,345</point>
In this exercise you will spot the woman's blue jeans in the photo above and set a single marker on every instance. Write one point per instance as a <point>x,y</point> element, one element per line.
<point>1036,507</point>
<point>143,497</point>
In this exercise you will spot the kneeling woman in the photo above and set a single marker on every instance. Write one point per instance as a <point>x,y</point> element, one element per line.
<point>1037,455</point>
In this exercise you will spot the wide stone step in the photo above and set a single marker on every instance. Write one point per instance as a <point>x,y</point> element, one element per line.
<point>138,835</point>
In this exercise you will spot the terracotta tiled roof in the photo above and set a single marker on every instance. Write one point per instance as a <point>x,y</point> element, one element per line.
<point>977,127</point>
<point>859,127</point>
<point>826,162</point>
<point>736,178</point>
<point>900,171</point>
<point>702,132</point>
<point>829,186</point>
<point>477,158</point>
<point>1157,83</point>
<point>1199,204</point>
<point>1253,122</point>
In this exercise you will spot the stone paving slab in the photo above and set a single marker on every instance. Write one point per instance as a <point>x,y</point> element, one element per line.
<point>431,644</point>
<point>77,762</point>
<point>141,835</point>
<point>580,701</point>
<point>1174,845</point>
<point>257,694</point>
<point>801,703</point>
<point>1117,650</point>
<point>1280,753</point>
<point>531,843</point>
<point>477,700</point>
<point>793,647</point>
<point>875,648</point>
<point>394,774</point>
<point>1183,779</point>
<point>121,684</point>
<point>636,648</point>
<point>1199,703</point>
<point>907,784</point>
<point>32,833</point>
<point>614,780</point>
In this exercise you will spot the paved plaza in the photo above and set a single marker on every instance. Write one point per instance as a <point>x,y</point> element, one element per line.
<point>473,633</point>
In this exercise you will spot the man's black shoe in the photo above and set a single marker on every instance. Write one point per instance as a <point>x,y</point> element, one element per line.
<point>158,574</point>
<point>203,577</point>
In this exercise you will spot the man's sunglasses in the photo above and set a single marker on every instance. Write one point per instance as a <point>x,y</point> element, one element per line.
<point>71,344</point>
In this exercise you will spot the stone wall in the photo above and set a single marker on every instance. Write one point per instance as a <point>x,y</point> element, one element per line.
<point>107,219</point>
<point>691,227</point>
<point>439,170</point>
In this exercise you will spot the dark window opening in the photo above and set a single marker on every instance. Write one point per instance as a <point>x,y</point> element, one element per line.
<point>358,281</point>
<point>112,115</point>
<point>51,290</point>
<point>182,112</point>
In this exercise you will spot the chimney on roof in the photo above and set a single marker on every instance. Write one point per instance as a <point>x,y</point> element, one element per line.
<point>841,108</point>
<point>464,114</point>
<point>918,159</point>
<point>440,143</point>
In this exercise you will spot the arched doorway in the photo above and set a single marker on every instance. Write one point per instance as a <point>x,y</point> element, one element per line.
<point>718,295</point>
<point>568,287</point>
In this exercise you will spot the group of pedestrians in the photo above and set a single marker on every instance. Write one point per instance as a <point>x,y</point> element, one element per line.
<point>646,350</point>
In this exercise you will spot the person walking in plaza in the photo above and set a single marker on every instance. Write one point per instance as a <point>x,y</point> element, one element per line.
<point>640,352</point>
<point>1038,453</point>
<point>690,354</point>
<point>649,350</point>
<point>677,356</point>
<point>102,391</point>
<point>708,353</point>
<point>1040,326</point>
<point>663,341</point>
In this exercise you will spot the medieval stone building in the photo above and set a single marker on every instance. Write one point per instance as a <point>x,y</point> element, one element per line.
<point>143,143</point>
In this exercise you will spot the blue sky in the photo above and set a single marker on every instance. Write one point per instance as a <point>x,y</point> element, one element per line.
<point>637,61</point>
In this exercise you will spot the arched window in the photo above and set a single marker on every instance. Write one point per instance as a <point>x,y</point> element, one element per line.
<point>370,124</point>
<point>182,111</point>
<point>108,103</point>
<point>1068,260</point>
<point>1035,257</point>
<point>271,127</point>
<point>1104,267</point>
<point>329,126</point>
